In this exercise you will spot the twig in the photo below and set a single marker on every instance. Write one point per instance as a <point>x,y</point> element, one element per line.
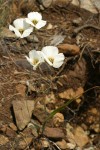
<point>77,30</point>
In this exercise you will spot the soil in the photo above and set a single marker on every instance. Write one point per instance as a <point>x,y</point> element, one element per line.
<point>49,88</point>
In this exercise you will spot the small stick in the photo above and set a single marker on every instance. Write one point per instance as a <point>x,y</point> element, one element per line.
<point>77,30</point>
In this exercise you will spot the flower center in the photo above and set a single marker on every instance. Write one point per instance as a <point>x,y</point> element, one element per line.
<point>21,31</point>
<point>35,22</point>
<point>51,59</point>
<point>35,61</point>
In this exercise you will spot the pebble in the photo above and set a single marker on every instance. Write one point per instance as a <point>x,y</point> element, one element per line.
<point>58,119</point>
<point>62,144</point>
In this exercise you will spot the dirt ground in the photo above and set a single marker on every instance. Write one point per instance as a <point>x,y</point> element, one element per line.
<point>28,98</point>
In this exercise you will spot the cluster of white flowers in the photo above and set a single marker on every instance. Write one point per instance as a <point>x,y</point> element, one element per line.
<point>50,54</point>
<point>23,27</point>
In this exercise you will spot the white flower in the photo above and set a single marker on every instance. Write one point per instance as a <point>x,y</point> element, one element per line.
<point>52,56</point>
<point>35,19</point>
<point>21,28</point>
<point>35,58</point>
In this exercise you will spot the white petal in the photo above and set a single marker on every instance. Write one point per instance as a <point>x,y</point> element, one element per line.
<point>33,54</point>
<point>59,57</point>
<point>34,16</point>
<point>29,22</point>
<point>50,51</point>
<point>18,34</point>
<point>27,32</point>
<point>40,24</point>
<point>25,24</point>
<point>57,64</point>
<point>21,23</point>
<point>18,23</point>
<point>46,59</point>
<point>28,59</point>
<point>41,58</point>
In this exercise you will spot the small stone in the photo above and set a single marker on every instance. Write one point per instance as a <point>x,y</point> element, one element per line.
<point>21,89</point>
<point>3,140</point>
<point>77,136</point>
<point>95,127</point>
<point>3,128</point>
<point>70,93</point>
<point>44,143</point>
<point>33,128</point>
<point>50,26</point>
<point>62,144</point>
<point>26,141</point>
<point>80,137</point>
<point>84,126</point>
<point>71,145</point>
<point>69,49</point>
<point>32,38</point>
<point>91,119</point>
<point>77,21</point>
<point>55,133</point>
<point>11,133</point>
<point>78,101</point>
<point>58,119</point>
<point>12,126</point>
<point>94,111</point>
<point>46,3</point>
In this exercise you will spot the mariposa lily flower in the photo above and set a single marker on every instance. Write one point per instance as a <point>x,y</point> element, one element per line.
<point>35,19</point>
<point>21,28</point>
<point>52,56</point>
<point>35,58</point>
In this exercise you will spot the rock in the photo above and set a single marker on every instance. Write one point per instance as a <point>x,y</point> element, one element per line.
<point>23,63</point>
<point>49,26</point>
<point>6,33</point>
<point>69,49</point>
<point>34,129</point>
<point>95,127</point>
<point>80,137</point>
<point>50,98</point>
<point>44,143</point>
<point>21,89</point>
<point>12,126</point>
<point>89,5</point>
<point>58,119</point>
<point>32,38</point>
<point>62,144</point>
<point>77,136</point>
<point>46,3</point>
<point>11,133</point>
<point>70,93</point>
<point>93,111</point>
<point>71,146</point>
<point>3,140</point>
<point>3,128</point>
<point>40,114</point>
<point>25,142</point>
<point>55,133</point>
<point>23,111</point>
<point>77,21</point>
